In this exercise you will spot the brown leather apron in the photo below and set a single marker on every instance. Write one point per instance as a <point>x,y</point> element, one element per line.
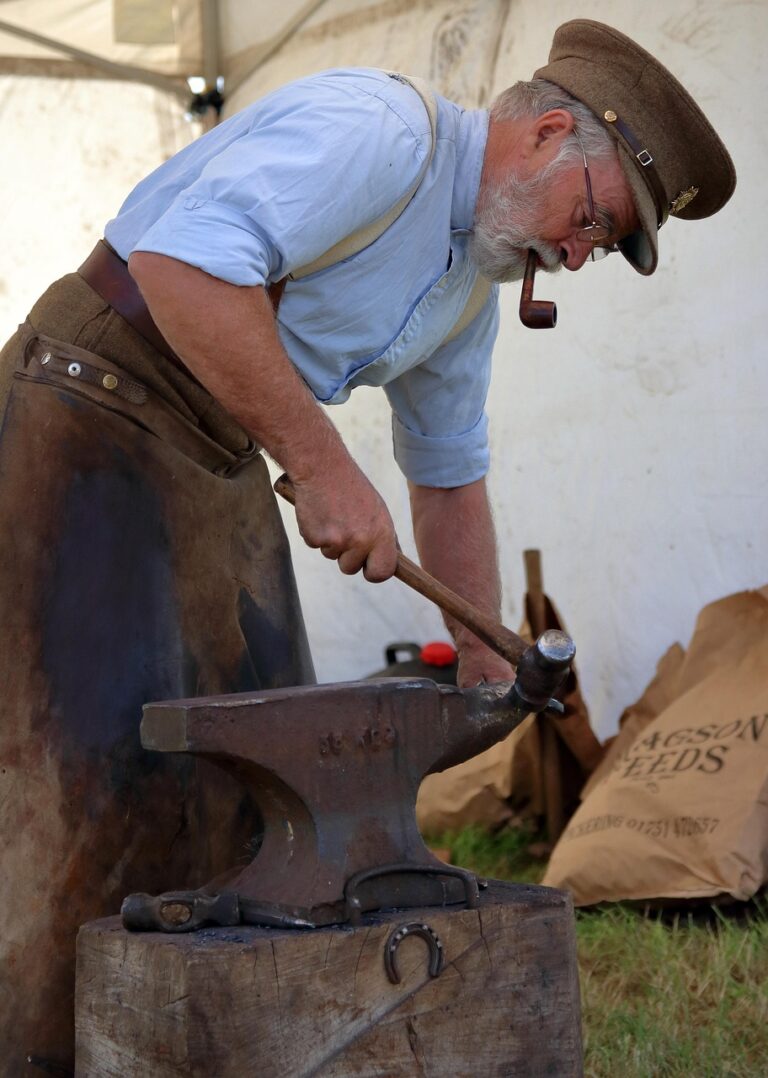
<point>142,557</point>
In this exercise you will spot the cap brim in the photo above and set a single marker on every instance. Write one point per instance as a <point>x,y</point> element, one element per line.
<point>641,248</point>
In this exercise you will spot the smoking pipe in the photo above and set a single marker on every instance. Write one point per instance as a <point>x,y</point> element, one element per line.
<point>535,313</point>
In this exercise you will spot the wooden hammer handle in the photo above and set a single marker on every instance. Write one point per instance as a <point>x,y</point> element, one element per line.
<point>500,639</point>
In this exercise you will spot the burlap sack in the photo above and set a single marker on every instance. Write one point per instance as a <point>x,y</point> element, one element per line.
<point>684,810</point>
<point>659,694</point>
<point>475,792</point>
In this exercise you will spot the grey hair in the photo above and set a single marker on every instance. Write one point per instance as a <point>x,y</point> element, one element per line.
<point>539,96</point>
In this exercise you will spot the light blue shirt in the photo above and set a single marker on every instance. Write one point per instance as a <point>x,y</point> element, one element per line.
<point>280,183</point>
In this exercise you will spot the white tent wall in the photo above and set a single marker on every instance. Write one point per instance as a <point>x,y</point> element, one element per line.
<point>72,149</point>
<point>629,444</point>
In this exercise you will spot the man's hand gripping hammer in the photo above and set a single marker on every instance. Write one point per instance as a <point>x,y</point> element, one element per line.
<point>541,667</point>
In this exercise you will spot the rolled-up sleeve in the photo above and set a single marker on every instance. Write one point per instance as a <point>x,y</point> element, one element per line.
<point>316,165</point>
<point>439,425</point>
<point>215,237</point>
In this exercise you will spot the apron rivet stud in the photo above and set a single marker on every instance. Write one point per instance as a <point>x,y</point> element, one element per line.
<point>74,370</point>
<point>109,381</point>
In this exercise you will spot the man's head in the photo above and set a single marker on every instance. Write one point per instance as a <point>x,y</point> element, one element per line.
<point>648,148</point>
<point>534,192</point>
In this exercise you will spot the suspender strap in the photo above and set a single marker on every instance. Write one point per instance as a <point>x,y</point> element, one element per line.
<point>364,237</point>
<point>474,305</point>
<point>108,275</point>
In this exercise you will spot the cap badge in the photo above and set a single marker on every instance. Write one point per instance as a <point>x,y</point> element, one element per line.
<point>683,199</point>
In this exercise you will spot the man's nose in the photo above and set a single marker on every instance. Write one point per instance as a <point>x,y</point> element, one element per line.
<point>574,253</point>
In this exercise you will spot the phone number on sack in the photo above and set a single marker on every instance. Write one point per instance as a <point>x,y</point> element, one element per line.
<point>669,827</point>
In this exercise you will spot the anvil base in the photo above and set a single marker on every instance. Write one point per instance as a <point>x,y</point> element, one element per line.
<point>254,1001</point>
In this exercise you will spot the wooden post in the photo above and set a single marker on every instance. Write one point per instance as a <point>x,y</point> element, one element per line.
<point>551,773</point>
<point>242,1001</point>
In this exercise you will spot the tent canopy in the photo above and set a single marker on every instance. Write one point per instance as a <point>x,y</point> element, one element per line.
<point>174,39</point>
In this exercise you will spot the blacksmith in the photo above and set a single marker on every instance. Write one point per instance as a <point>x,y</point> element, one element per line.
<point>349,229</point>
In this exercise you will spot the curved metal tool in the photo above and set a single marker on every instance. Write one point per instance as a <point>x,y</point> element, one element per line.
<point>354,906</point>
<point>413,928</point>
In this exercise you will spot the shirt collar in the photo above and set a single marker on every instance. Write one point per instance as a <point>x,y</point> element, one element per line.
<point>470,149</point>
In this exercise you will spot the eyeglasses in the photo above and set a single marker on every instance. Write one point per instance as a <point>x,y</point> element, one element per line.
<point>594,234</point>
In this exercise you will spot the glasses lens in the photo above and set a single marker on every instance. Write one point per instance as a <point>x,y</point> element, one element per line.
<point>593,234</point>
<point>600,252</point>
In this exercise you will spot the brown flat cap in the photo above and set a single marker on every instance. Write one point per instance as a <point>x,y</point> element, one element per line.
<point>670,153</point>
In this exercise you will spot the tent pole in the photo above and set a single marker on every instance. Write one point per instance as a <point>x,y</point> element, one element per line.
<point>121,71</point>
<point>211,66</point>
<point>211,53</point>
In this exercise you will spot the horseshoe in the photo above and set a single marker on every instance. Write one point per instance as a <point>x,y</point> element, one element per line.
<point>413,928</point>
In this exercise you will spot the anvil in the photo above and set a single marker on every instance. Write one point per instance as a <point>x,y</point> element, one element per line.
<point>335,770</point>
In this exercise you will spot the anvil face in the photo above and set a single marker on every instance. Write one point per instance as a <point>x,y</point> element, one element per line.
<point>335,770</point>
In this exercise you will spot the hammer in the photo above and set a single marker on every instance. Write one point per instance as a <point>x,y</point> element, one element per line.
<point>541,667</point>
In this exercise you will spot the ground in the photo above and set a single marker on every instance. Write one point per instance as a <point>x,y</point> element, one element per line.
<point>676,994</point>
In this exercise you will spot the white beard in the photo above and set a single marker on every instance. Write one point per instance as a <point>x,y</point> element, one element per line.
<point>507,219</point>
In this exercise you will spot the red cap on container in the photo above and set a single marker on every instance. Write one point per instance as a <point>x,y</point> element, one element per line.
<point>438,654</point>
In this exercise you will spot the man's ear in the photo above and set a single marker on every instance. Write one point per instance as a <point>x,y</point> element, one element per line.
<point>554,126</point>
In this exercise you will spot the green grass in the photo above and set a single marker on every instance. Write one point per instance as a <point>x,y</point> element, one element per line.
<point>502,856</point>
<point>682,996</point>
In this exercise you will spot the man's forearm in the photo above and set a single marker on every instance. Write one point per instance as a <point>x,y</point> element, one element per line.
<point>456,541</point>
<point>229,341</point>
<point>227,337</point>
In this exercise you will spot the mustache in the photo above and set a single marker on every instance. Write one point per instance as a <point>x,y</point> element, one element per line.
<point>549,255</point>
<point>502,258</point>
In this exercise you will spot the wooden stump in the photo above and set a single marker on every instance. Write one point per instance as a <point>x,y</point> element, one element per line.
<point>226,1003</point>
